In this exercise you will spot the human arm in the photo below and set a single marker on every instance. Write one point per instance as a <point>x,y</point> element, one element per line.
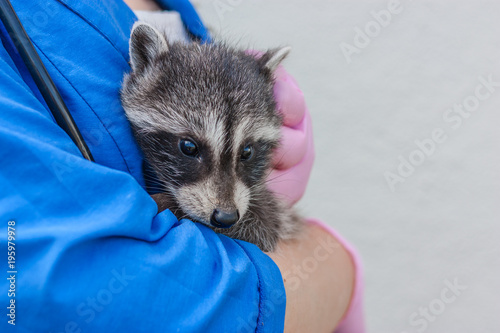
<point>318,276</point>
<point>92,253</point>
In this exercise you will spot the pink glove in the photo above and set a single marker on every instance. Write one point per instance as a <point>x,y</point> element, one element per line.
<point>293,160</point>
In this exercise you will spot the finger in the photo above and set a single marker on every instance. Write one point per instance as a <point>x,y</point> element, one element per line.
<point>291,150</point>
<point>289,98</point>
<point>290,184</point>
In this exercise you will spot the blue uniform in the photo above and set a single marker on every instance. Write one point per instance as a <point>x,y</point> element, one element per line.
<point>89,252</point>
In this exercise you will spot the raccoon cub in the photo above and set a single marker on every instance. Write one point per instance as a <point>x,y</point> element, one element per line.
<point>206,120</point>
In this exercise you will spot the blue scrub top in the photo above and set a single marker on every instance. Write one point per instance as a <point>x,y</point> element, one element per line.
<point>90,253</point>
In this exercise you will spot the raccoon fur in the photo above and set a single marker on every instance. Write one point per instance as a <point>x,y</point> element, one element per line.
<point>205,117</point>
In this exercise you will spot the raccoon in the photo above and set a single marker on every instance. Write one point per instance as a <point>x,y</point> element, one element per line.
<point>205,117</point>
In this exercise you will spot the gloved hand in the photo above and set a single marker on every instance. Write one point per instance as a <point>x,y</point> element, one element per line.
<point>293,160</point>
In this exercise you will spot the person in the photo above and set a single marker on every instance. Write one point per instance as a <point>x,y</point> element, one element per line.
<point>90,253</point>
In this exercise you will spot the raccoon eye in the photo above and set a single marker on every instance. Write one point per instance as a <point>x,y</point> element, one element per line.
<point>247,153</point>
<point>188,147</point>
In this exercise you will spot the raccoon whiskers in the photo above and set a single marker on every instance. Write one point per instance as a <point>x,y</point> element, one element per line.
<point>251,190</point>
<point>161,184</point>
<point>272,180</point>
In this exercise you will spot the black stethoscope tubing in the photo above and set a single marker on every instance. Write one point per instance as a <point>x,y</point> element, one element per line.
<point>41,77</point>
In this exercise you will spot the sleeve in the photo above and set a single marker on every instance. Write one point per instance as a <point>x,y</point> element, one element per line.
<point>90,254</point>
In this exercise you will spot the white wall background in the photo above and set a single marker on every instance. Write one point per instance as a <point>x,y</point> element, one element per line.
<point>442,222</point>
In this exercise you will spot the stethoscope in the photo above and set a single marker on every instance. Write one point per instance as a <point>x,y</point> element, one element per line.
<point>41,77</point>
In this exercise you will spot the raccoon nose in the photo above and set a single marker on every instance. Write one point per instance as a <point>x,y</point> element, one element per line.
<point>222,219</point>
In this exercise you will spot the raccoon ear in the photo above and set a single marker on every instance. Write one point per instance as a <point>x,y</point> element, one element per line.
<point>145,44</point>
<point>272,58</point>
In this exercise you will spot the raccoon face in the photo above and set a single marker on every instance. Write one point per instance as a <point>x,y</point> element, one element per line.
<point>211,181</point>
<point>206,120</point>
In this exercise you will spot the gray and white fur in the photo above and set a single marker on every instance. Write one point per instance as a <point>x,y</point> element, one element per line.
<point>206,120</point>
